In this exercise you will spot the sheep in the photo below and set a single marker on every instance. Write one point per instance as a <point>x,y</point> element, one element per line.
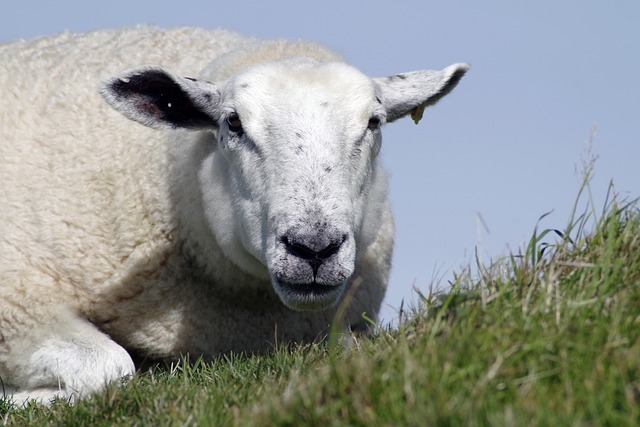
<point>247,210</point>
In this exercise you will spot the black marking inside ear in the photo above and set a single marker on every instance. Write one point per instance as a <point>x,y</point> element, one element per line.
<point>155,95</point>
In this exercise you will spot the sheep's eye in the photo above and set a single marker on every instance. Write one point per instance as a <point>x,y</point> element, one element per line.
<point>374,123</point>
<point>234,123</point>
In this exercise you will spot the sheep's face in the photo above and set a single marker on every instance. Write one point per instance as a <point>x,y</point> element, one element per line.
<point>287,189</point>
<point>300,141</point>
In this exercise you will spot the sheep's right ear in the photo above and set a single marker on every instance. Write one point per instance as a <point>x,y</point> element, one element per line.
<point>159,99</point>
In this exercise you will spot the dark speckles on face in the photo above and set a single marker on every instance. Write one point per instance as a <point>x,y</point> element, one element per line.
<point>324,104</point>
<point>396,77</point>
<point>271,128</point>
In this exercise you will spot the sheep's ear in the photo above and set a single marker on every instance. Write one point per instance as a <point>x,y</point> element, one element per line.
<point>159,99</point>
<point>411,93</point>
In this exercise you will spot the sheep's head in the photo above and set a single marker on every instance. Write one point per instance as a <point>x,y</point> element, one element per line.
<point>294,177</point>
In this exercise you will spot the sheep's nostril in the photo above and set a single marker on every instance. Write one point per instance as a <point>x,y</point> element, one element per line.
<point>304,251</point>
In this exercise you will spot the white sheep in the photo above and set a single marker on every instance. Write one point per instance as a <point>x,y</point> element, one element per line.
<point>258,210</point>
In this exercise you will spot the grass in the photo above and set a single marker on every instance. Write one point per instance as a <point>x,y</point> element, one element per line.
<point>550,336</point>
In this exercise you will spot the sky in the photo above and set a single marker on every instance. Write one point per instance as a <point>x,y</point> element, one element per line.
<point>552,84</point>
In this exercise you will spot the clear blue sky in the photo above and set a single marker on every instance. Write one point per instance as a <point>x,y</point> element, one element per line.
<point>506,144</point>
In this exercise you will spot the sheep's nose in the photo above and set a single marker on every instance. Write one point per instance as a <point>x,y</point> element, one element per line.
<point>313,249</point>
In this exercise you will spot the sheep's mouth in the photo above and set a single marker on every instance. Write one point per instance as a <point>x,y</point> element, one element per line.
<point>308,296</point>
<point>308,288</point>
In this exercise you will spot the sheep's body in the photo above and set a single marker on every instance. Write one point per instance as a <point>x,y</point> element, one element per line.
<point>104,244</point>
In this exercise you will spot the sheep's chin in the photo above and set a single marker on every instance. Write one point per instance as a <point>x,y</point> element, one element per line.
<point>308,296</point>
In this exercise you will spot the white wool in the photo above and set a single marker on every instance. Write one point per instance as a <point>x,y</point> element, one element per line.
<point>117,239</point>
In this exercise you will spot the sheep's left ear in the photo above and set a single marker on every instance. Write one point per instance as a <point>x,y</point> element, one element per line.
<point>410,93</point>
<point>160,99</point>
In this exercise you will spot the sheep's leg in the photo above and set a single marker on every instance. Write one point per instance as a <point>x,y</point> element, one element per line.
<point>67,358</point>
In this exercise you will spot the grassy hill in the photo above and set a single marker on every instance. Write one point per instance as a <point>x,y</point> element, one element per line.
<point>550,336</point>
